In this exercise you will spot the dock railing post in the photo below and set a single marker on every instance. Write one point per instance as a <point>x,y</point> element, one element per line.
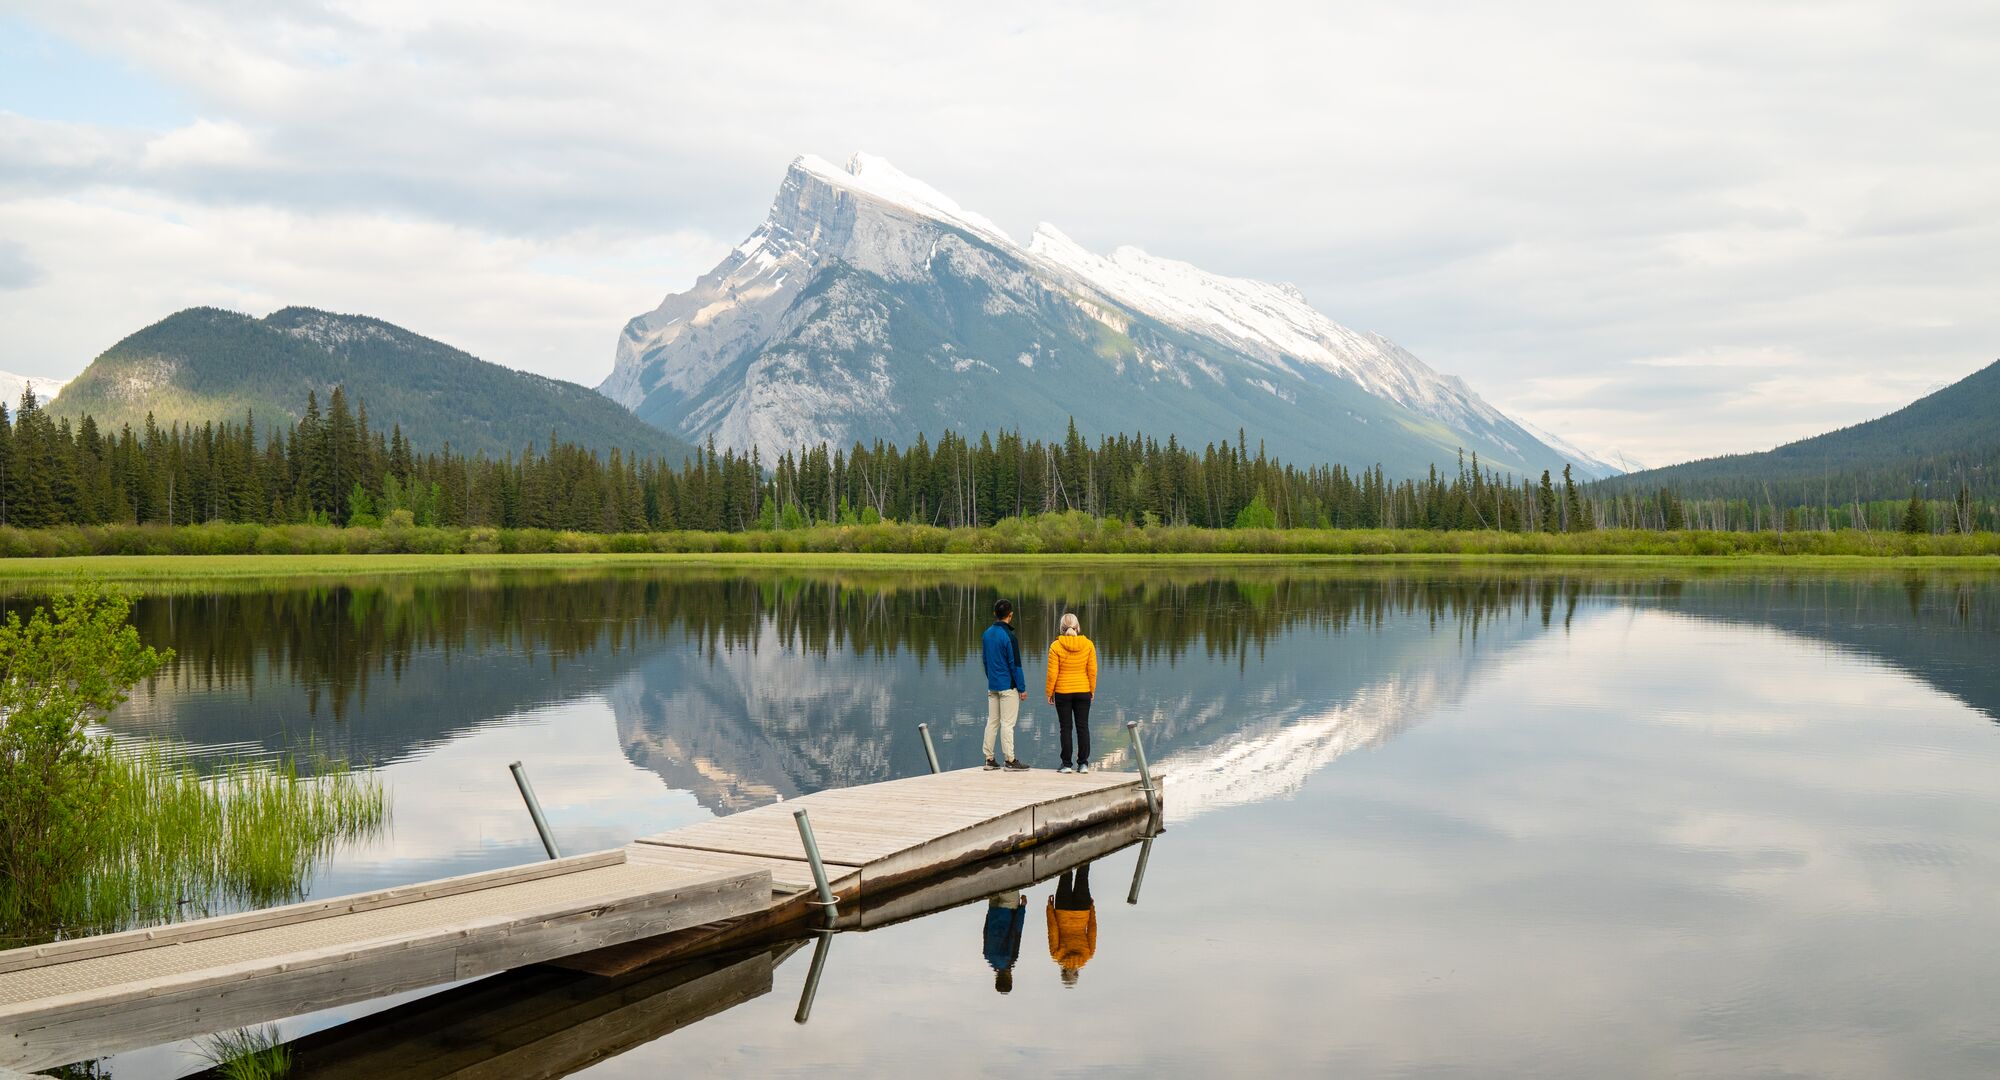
<point>1139,871</point>
<point>930,751</point>
<point>811,989</point>
<point>535,810</point>
<point>1145,771</point>
<point>826,901</point>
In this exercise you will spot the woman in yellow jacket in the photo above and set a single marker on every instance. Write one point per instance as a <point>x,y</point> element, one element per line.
<point>1072,923</point>
<point>1072,682</point>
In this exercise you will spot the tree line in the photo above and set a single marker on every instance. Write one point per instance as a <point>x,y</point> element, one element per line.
<point>331,467</point>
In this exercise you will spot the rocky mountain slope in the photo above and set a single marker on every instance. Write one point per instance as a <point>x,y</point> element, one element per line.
<point>207,364</point>
<point>869,305</point>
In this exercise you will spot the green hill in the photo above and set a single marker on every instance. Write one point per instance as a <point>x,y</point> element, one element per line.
<point>1936,442</point>
<point>207,364</point>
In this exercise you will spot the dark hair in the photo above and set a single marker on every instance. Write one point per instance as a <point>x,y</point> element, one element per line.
<point>1002,608</point>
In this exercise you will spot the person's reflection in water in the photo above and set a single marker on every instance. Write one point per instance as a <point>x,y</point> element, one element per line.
<point>1006,916</point>
<point>1072,923</point>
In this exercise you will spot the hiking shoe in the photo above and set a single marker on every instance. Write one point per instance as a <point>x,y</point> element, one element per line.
<point>992,764</point>
<point>1083,766</point>
<point>1064,769</point>
<point>1015,766</point>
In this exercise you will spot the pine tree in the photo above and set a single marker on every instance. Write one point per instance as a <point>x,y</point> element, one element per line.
<point>1545,503</point>
<point>1916,515</point>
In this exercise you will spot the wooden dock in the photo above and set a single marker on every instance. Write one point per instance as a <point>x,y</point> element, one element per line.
<point>548,1022</point>
<point>668,896</point>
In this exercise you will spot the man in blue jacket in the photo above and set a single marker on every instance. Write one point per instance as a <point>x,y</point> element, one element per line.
<point>1005,683</point>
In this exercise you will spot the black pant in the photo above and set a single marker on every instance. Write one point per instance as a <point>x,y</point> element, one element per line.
<point>1073,890</point>
<point>1073,711</point>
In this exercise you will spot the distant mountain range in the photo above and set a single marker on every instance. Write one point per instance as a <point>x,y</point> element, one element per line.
<point>11,386</point>
<point>207,364</point>
<point>869,305</point>
<point>1941,439</point>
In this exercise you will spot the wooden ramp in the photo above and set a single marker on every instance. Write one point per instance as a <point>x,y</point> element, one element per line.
<point>691,891</point>
<point>91,996</point>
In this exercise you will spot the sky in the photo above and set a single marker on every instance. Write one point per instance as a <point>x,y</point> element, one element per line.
<point>1672,233</point>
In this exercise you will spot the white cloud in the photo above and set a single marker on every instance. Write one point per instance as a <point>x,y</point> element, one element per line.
<point>1519,194</point>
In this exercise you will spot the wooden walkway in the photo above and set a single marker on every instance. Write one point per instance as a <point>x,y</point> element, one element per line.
<point>670,895</point>
<point>547,1022</point>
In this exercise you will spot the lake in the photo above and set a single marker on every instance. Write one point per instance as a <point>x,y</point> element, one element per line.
<point>1420,822</point>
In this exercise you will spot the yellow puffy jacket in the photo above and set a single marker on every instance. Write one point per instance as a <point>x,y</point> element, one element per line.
<point>1072,665</point>
<point>1072,935</point>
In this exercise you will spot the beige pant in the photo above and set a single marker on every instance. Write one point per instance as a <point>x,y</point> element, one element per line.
<point>1003,710</point>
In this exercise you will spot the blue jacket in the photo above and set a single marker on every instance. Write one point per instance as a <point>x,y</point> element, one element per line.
<point>1003,935</point>
<point>1002,653</point>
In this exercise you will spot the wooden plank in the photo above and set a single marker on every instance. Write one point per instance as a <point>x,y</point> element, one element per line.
<point>998,836</point>
<point>787,875</point>
<point>59,1030</point>
<point>61,952</point>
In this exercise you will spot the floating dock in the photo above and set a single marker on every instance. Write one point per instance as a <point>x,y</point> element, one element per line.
<point>664,897</point>
<point>545,1021</point>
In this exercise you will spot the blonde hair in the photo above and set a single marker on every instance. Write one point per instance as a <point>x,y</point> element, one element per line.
<point>1070,624</point>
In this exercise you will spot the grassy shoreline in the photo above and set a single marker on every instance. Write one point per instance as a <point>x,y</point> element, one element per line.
<point>139,552</point>
<point>168,567</point>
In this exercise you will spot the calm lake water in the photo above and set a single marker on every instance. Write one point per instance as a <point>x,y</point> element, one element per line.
<point>1419,823</point>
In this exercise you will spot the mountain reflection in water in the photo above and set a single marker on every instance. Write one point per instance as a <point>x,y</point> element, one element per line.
<point>1604,819</point>
<point>745,688</point>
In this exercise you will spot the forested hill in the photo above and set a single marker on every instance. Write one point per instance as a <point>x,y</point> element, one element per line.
<point>1937,443</point>
<point>206,364</point>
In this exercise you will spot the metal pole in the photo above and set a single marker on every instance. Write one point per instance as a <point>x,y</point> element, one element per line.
<point>1139,871</point>
<point>930,751</point>
<point>1145,772</point>
<point>826,900</point>
<point>812,978</point>
<point>535,811</point>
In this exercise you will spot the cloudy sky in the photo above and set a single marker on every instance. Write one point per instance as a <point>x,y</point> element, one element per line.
<point>1705,229</point>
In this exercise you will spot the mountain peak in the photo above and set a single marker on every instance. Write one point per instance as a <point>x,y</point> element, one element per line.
<point>875,178</point>
<point>869,304</point>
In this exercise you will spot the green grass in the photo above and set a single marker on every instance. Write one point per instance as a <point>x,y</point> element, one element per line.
<point>165,842</point>
<point>905,545</point>
<point>247,1054</point>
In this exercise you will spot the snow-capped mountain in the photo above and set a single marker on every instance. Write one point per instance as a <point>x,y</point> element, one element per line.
<point>11,386</point>
<point>870,305</point>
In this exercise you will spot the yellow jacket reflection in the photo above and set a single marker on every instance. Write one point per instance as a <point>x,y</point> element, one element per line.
<point>1072,923</point>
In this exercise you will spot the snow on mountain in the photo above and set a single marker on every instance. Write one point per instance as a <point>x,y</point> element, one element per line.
<point>875,177</point>
<point>12,385</point>
<point>1272,322</point>
<point>869,304</point>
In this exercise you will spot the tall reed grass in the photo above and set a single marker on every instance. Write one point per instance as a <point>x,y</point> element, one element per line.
<point>164,842</point>
<point>247,1054</point>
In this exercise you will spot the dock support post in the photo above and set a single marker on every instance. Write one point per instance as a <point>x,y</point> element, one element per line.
<point>1139,871</point>
<point>811,990</point>
<point>930,751</point>
<point>826,900</point>
<point>1145,771</point>
<point>535,810</point>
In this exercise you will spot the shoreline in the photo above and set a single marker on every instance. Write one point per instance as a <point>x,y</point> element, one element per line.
<point>184,567</point>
